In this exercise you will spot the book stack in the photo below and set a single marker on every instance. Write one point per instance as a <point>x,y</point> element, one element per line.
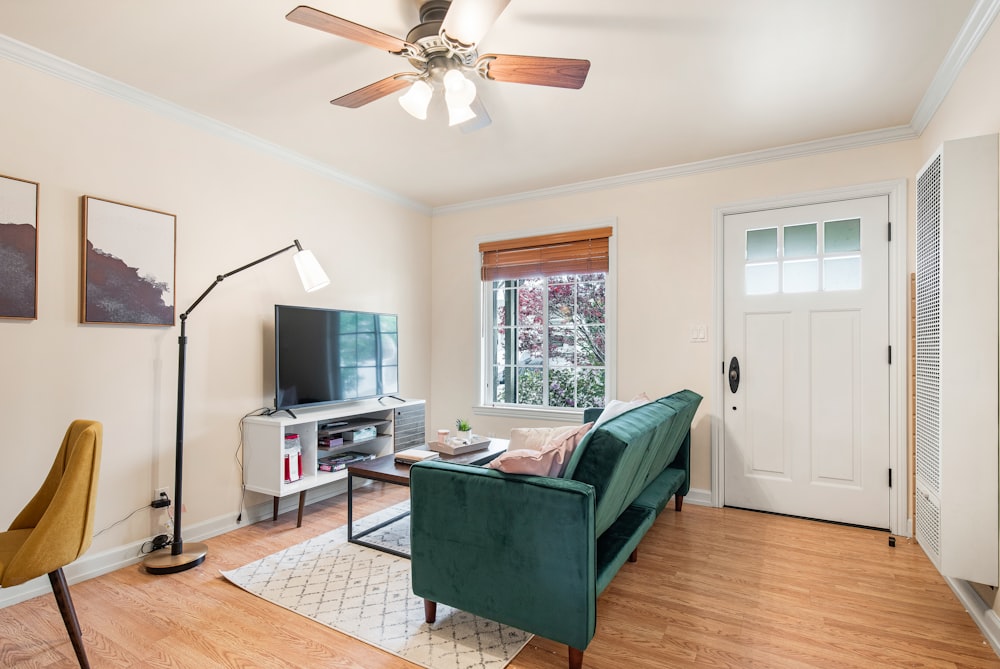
<point>411,455</point>
<point>335,463</point>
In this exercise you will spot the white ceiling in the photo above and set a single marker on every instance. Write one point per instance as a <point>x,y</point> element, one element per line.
<point>671,82</point>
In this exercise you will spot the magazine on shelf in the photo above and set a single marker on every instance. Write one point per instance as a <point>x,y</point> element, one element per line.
<point>334,463</point>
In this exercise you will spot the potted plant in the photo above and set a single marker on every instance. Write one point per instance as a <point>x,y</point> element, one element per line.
<point>464,429</point>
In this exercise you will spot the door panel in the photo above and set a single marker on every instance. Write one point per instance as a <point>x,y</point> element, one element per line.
<point>806,313</point>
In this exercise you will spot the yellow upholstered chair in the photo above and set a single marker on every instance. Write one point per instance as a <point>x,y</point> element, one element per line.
<point>56,526</point>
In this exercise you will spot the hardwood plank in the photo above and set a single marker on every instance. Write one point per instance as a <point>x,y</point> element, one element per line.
<point>719,588</point>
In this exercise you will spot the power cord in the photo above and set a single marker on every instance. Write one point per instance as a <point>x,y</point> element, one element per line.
<point>263,411</point>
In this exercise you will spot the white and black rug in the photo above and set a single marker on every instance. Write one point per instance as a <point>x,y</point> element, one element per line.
<point>366,594</point>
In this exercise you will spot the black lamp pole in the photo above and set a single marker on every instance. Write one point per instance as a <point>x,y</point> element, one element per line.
<point>181,556</point>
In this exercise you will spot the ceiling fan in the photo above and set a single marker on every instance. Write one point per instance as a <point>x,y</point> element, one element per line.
<point>442,49</point>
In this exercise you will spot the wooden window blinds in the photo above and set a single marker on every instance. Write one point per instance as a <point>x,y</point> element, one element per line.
<point>576,252</point>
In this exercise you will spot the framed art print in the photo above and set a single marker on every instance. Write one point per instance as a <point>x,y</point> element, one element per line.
<point>128,264</point>
<point>18,248</point>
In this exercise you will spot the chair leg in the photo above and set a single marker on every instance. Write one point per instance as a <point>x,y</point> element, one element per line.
<point>65,602</point>
<point>678,502</point>
<point>634,556</point>
<point>575,658</point>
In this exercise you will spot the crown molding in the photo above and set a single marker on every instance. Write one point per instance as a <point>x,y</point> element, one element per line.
<point>811,148</point>
<point>29,56</point>
<point>976,25</point>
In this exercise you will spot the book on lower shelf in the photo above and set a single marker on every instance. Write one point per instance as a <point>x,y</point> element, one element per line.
<point>335,463</point>
<point>411,455</point>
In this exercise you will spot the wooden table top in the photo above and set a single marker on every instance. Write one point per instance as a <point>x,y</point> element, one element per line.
<point>387,469</point>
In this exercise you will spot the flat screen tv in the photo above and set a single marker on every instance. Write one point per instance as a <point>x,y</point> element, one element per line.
<point>323,356</point>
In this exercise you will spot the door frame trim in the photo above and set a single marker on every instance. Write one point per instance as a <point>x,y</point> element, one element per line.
<point>899,521</point>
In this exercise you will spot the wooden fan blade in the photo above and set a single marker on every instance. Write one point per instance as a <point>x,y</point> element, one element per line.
<point>468,20</point>
<point>335,25</point>
<point>537,70</point>
<point>373,92</point>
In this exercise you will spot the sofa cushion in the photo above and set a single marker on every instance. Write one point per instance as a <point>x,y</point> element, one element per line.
<point>615,458</point>
<point>550,459</point>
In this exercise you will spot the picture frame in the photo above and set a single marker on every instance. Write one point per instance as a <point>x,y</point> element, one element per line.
<point>128,264</point>
<point>18,248</point>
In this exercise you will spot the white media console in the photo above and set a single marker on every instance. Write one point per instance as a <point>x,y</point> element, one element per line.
<point>398,425</point>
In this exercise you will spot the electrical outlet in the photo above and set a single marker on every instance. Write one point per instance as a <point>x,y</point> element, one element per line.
<point>160,491</point>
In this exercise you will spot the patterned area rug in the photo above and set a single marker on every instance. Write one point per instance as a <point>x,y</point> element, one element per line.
<point>366,594</point>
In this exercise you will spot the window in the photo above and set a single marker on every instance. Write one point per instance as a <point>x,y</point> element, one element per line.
<point>547,318</point>
<point>799,264</point>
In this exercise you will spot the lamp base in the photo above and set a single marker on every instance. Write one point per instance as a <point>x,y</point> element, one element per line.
<point>164,562</point>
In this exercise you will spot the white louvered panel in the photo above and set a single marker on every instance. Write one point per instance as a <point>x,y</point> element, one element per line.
<point>929,525</point>
<point>928,299</point>
<point>957,377</point>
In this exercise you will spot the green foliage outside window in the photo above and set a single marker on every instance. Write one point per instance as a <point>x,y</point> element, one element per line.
<point>548,341</point>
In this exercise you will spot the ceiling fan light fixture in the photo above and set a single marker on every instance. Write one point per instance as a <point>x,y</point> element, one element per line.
<point>458,90</point>
<point>416,100</point>
<point>459,114</point>
<point>459,93</point>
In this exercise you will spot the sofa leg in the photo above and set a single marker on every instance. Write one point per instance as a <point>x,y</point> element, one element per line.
<point>575,658</point>
<point>634,556</point>
<point>678,502</point>
<point>430,611</point>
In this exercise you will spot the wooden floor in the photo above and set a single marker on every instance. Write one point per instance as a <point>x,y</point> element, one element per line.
<point>712,588</point>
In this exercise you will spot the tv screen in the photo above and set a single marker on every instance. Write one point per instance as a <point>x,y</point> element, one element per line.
<point>322,356</point>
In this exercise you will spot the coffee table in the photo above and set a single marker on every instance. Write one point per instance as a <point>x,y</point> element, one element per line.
<point>387,470</point>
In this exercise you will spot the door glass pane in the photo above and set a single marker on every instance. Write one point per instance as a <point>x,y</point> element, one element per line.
<point>842,273</point>
<point>800,240</point>
<point>762,278</point>
<point>842,236</point>
<point>800,276</point>
<point>762,244</point>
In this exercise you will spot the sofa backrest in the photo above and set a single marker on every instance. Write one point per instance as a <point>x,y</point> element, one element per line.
<point>622,456</point>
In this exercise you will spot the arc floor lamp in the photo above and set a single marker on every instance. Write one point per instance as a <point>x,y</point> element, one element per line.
<point>179,556</point>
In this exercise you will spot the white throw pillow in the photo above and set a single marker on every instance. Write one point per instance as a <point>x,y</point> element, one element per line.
<point>618,407</point>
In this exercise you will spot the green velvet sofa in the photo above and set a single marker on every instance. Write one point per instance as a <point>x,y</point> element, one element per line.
<point>535,552</point>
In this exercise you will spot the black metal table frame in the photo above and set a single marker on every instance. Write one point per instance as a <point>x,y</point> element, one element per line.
<point>356,538</point>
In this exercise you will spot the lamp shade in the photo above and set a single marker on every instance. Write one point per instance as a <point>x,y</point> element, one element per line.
<point>312,275</point>
<point>416,100</point>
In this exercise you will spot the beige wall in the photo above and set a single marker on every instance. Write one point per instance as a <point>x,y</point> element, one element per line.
<point>233,204</point>
<point>665,255</point>
<point>665,274</point>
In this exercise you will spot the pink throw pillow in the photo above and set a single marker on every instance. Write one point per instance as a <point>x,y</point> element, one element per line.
<point>551,460</point>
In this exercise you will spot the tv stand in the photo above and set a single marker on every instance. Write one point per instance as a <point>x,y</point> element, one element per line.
<point>396,428</point>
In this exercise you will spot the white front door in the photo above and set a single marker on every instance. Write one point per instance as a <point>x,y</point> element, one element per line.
<point>806,321</point>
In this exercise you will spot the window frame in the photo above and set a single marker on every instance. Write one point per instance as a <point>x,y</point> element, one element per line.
<point>486,405</point>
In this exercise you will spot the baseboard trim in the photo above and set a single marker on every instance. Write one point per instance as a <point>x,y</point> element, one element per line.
<point>92,565</point>
<point>985,618</point>
<point>699,497</point>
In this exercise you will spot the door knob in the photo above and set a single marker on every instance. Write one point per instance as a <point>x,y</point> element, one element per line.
<point>734,374</point>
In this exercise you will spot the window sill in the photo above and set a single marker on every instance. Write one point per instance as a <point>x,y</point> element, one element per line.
<point>565,416</point>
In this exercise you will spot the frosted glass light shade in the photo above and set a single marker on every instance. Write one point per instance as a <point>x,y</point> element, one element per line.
<point>416,100</point>
<point>459,93</point>
<point>312,275</point>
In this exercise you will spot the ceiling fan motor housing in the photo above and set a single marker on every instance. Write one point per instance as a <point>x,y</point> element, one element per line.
<point>436,56</point>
